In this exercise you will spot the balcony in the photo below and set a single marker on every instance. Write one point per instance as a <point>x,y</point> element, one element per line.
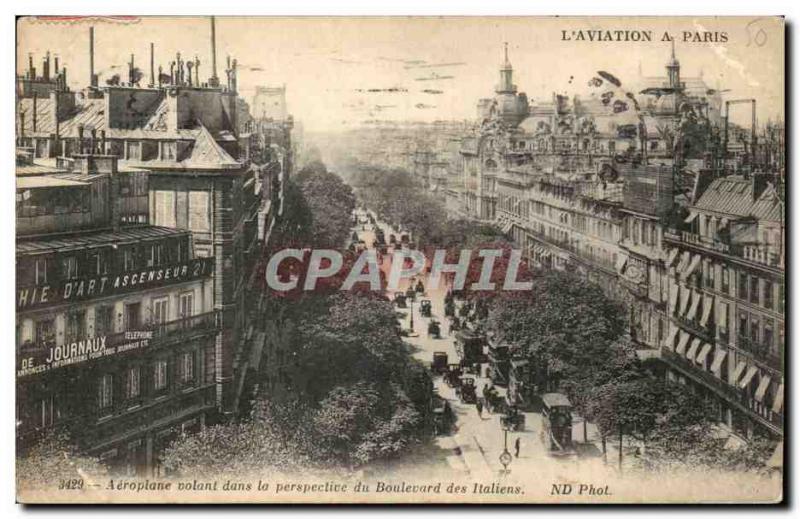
<point>759,254</point>
<point>40,358</point>
<point>731,394</point>
<point>760,352</point>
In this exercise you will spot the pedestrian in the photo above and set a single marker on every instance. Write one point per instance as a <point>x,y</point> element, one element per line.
<point>479,406</point>
<point>516,448</point>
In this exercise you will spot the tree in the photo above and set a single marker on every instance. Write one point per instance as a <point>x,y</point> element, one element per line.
<point>331,203</point>
<point>55,458</point>
<point>565,326</point>
<point>270,441</point>
<point>366,421</point>
<point>648,409</point>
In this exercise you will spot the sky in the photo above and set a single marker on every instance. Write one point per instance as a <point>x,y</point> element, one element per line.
<point>324,62</point>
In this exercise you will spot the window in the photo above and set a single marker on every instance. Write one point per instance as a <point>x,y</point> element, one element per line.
<point>161,310</point>
<point>187,367</point>
<point>742,286</point>
<point>169,150</point>
<point>754,290</point>
<point>70,267</point>
<point>768,334</point>
<point>98,262</point>
<point>156,256</point>
<point>742,325</point>
<point>186,305</point>
<point>40,268</point>
<point>198,211</point>
<point>132,389</point>
<point>709,278</point>
<point>754,330</point>
<point>726,283</point>
<point>104,320</point>
<point>164,209</point>
<point>75,326</point>
<point>129,259</point>
<point>45,331</point>
<point>106,391</point>
<point>133,150</point>
<point>132,316</point>
<point>160,375</point>
<point>46,412</point>
<point>768,295</point>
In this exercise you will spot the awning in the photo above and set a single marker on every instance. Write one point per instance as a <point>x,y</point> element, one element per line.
<point>716,366</point>
<point>694,306</point>
<point>690,218</point>
<point>692,353</point>
<point>671,337</point>
<point>777,404</point>
<point>701,357</point>
<point>621,261</point>
<point>692,265</point>
<point>723,316</point>
<point>737,373</point>
<point>751,372</point>
<point>673,253</point>
<point>682,343</point>
<point>685,257</point>
<point>686,293</point>
<point>507,227</point>
<point>761,390</point>
<point>673,297</point>
<point>708,305</point>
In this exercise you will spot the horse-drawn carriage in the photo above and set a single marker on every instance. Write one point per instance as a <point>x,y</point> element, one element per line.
<point>513,420</point>
<point>442,415</point>
<point>453,375</point>
<point>425,308</point>
<point>400,300</point>
<point>492,400</point>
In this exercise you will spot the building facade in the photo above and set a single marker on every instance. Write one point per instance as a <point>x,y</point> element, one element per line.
<point>686,232</point>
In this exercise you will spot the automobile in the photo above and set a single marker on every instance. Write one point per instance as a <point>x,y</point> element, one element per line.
<point>411,294</point>
<point>400,300</point>
<point>439,362</point>
<point>425,307</point>
<point>434,329</point>
<point>392,239</point>
<point>449,308</point>
<point>466,390</point>
<point>420,288</point>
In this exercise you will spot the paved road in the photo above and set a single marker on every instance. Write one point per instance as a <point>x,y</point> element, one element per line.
<point>478,441</point>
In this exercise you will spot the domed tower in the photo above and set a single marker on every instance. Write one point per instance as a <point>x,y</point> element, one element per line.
<point>674,71</point>
<point>510,106</point>
<point>506,85</point>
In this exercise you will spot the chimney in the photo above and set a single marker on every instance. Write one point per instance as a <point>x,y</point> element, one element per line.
<point>55,70</point>
<point>130,71</point>
<point>759,182</point>
<point>46,67</point>
<point>21,127</point>
<point>152,66</point>
<point>197,71</point>
<point>214,80</point>
<point>92,77</point>
<point>102,142</point>
<point>35,100</point>
<point>31,68</point>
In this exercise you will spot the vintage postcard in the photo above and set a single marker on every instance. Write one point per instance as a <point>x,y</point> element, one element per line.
<point>400,260</point>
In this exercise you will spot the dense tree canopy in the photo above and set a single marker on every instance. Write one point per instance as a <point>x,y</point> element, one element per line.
<point>56,458</point>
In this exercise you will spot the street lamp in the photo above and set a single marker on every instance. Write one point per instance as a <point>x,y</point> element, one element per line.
<point>411,313</point>
<point>505,457</point>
